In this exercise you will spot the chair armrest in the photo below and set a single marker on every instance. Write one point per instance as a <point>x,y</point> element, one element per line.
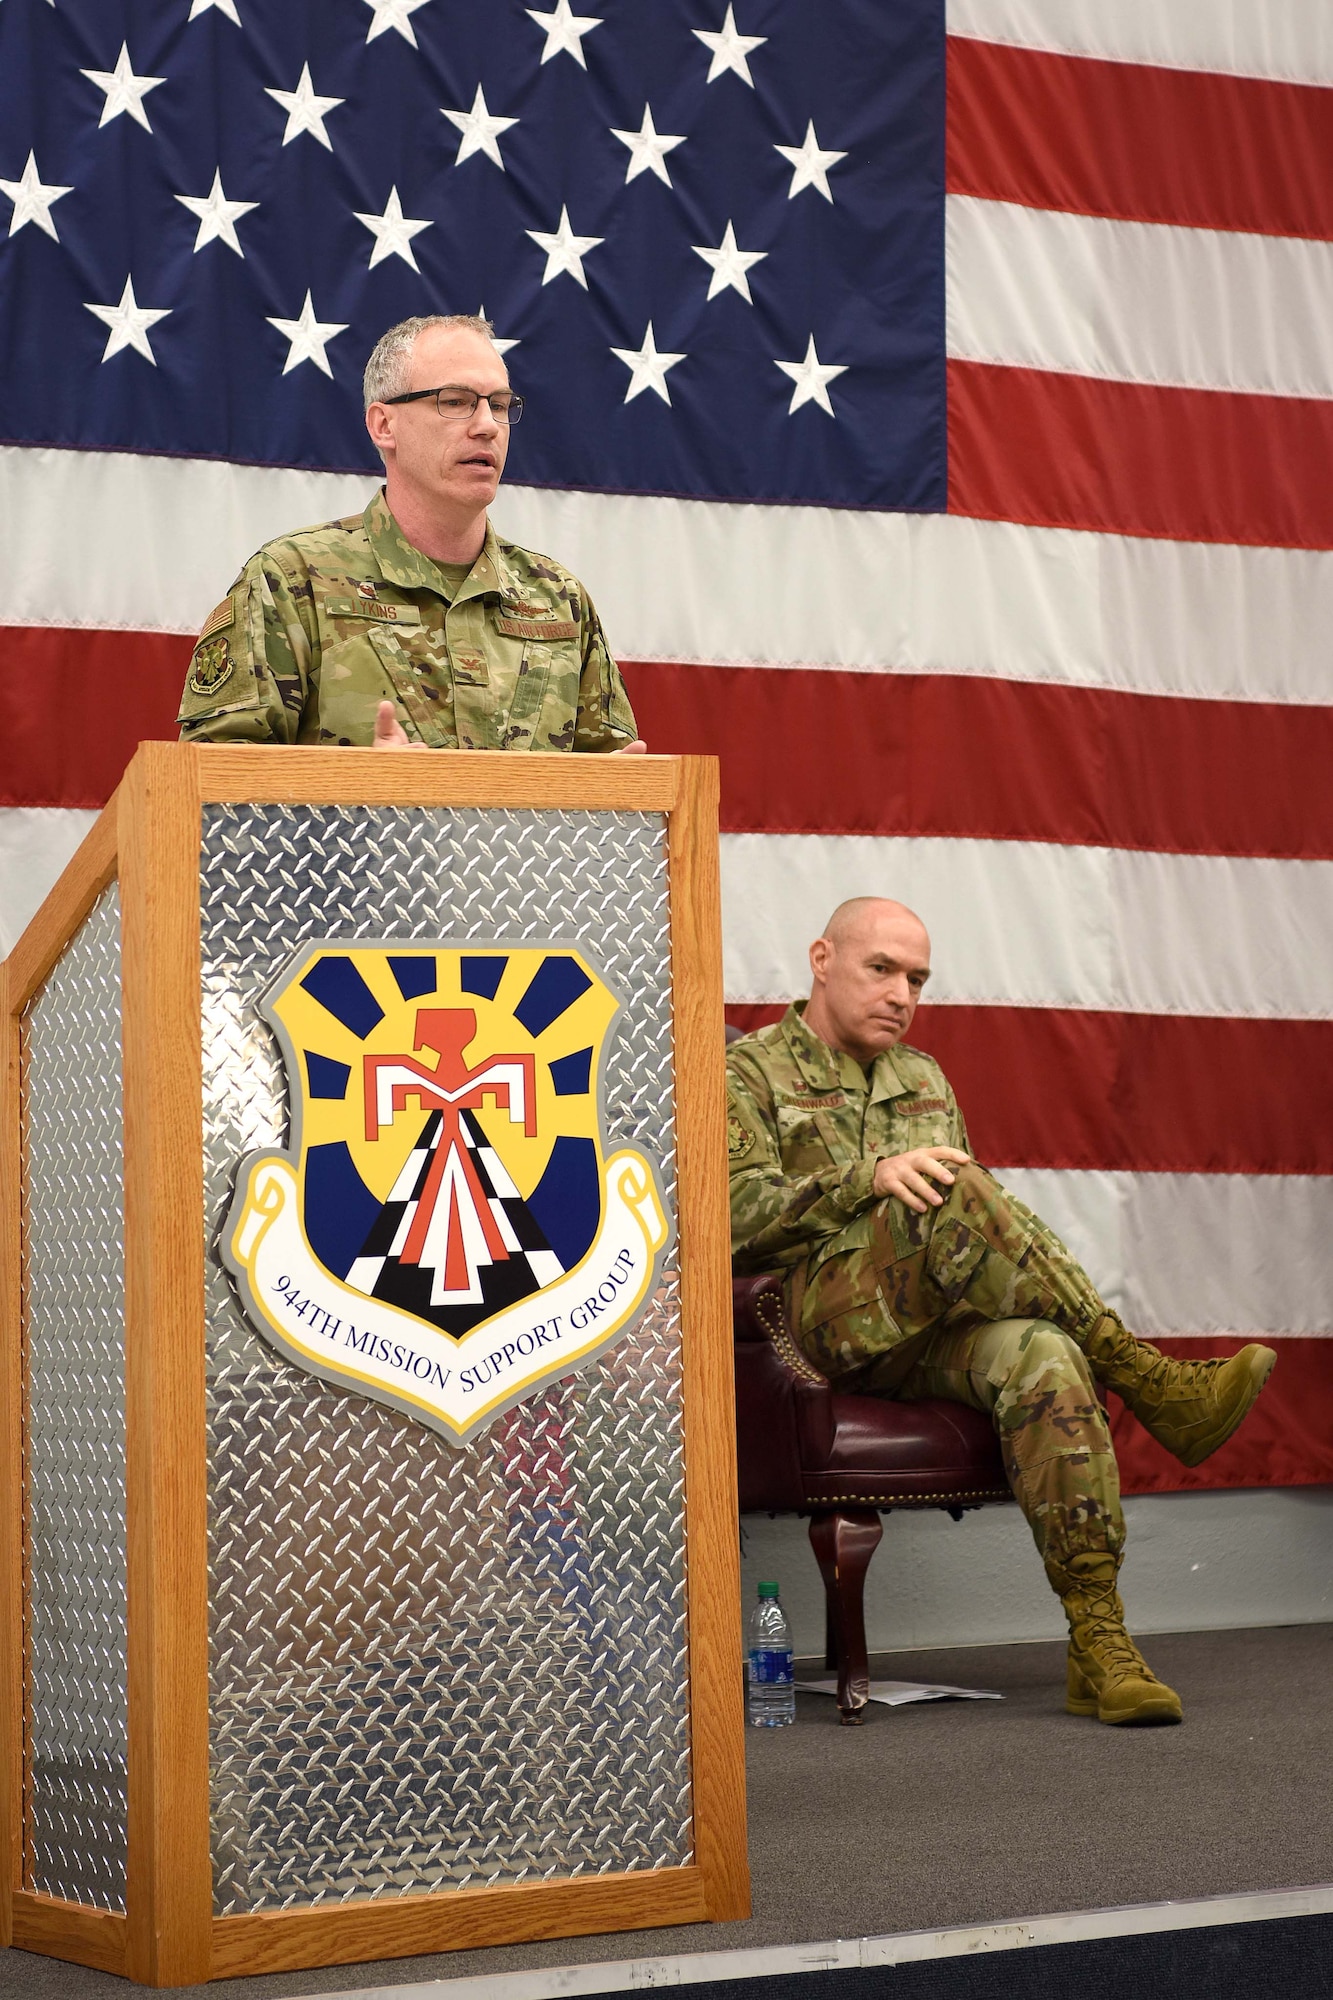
<point>784,1407</point>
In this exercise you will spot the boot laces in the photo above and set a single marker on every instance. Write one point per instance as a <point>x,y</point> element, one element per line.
<point>1168,1376</point>
<point>1104,1633</point>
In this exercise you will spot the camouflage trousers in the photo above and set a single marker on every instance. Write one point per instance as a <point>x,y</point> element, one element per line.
<point>980,1303</point>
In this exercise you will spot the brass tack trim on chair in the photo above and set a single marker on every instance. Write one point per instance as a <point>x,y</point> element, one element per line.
<point>905,1499</point>
<point>780,1337</point>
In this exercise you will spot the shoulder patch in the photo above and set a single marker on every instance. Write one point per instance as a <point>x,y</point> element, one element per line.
<point>211,666</point>
<point>219,618</point>
<point>740,1140</point>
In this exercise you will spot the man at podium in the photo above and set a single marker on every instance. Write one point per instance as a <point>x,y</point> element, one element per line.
<point>413,625</point>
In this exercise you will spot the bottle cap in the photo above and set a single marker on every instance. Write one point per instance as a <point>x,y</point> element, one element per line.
<point>768,1590</point>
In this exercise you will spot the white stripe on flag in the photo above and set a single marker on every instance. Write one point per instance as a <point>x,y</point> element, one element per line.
<point>1139,301</point>
<point>35,844</point>
<point>1194,1253</point>
<point>1291,40</point>
<point>1031,924</point>
<point>110,540</point>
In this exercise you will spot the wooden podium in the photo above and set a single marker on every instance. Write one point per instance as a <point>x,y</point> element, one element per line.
<point>296,1669</point>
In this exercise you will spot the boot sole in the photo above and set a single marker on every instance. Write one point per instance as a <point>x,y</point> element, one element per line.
<point>1259,1374</point>
<point>1153,1712</point>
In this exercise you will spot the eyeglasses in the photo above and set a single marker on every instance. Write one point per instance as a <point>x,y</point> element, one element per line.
<point>458,405</point>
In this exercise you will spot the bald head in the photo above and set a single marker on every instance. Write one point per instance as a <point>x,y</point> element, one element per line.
<point>867,972</point>
<point>851,916</point>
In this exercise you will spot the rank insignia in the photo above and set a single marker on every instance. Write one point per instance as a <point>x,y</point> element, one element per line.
<point>449,1227</point>
<point>212,665</point>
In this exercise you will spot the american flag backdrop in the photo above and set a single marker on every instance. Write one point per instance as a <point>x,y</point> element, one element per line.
<point>940,413</point>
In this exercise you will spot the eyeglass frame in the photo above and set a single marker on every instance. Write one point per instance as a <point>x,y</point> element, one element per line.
<point>511,416</point>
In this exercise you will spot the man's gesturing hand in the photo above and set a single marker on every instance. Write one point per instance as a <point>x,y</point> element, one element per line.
<point>904,1175</point>
<point>390,735</point>
<point>389,731</point>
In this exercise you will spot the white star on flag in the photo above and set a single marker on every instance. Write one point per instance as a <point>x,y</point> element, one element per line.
<point>123,89</point>
<point>305,111</point>
<point>647,149</point>
<point>227,7</point>
<point>809,164</point>
<point>32,199</point>
<point>129,323</point>
<point>729,265</point>
<point>500,346</point>
<point>811,377</point>
<point>480,131</point>
<point>309,337</point>
<point>393,14</point>
<point>730,48</point>
<point>217,216</point>
<point>564,31</point>
<point>647,368</point>
<point>393,232</point>
<point>564,250</point>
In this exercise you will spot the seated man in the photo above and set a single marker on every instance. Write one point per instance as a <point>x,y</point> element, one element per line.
<point>413,625</point>
<point>896,1286</point>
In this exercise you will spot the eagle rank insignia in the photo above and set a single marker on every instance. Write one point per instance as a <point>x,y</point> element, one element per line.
<point>446,1230</point>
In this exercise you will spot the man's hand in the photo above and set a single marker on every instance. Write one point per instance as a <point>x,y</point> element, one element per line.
<point>390,735</point>
<point>904,1175</point>
<point>389,731</point>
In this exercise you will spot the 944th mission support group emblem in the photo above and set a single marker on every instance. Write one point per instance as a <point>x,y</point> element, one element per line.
<point>446,1230</point>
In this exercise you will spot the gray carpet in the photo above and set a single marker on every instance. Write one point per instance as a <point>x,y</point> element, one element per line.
<point>972,1812</point>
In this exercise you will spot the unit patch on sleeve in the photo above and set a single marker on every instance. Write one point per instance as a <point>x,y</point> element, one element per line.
<point>739,1140</point>
<point>212,665</point>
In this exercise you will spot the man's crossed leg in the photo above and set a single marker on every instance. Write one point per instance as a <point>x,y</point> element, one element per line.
<point>978,1301</point>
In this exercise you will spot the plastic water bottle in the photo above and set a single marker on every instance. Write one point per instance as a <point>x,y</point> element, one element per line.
<point>770,1682</point>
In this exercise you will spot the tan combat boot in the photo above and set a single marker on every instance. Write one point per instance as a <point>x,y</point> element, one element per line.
<point>1191,1407</point>
<point>1108,1676</point>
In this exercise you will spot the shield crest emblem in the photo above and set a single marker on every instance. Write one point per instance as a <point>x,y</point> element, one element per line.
<point>447,1229</point>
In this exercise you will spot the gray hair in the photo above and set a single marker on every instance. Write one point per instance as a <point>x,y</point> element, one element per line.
<point>386,370</point>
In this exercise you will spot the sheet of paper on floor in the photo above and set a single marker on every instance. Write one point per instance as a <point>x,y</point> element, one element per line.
<point>896,1694</point>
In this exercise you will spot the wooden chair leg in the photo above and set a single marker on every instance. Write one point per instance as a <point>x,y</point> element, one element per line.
<point>843,1542</point>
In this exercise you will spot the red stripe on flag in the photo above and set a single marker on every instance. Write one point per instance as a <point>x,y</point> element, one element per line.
<point>1198,465</point>
<point>73,706</point>
<point>1143,1093</point>
<point>1139,143</point>
<point>1287,1439</point>
<point>806,750</point>
<point>809,750</point>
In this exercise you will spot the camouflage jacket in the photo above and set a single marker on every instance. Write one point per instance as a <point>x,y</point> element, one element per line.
<point>805,1127</point>
<point>322,626</point>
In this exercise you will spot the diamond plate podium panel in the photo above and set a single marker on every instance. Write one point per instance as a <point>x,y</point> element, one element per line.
<point>75,1726</point>
<point>434,1665</point>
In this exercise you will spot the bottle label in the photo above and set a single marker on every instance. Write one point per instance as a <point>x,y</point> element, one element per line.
<point>770,1667</point>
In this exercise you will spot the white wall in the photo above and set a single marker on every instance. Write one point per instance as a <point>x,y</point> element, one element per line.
<point>1195,1562</point>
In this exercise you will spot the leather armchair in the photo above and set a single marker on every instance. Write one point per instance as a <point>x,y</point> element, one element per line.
<point>806,1448</point>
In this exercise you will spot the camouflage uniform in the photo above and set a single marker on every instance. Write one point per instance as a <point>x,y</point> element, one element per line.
<point>322,626</point>
<point>975,1300</point>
